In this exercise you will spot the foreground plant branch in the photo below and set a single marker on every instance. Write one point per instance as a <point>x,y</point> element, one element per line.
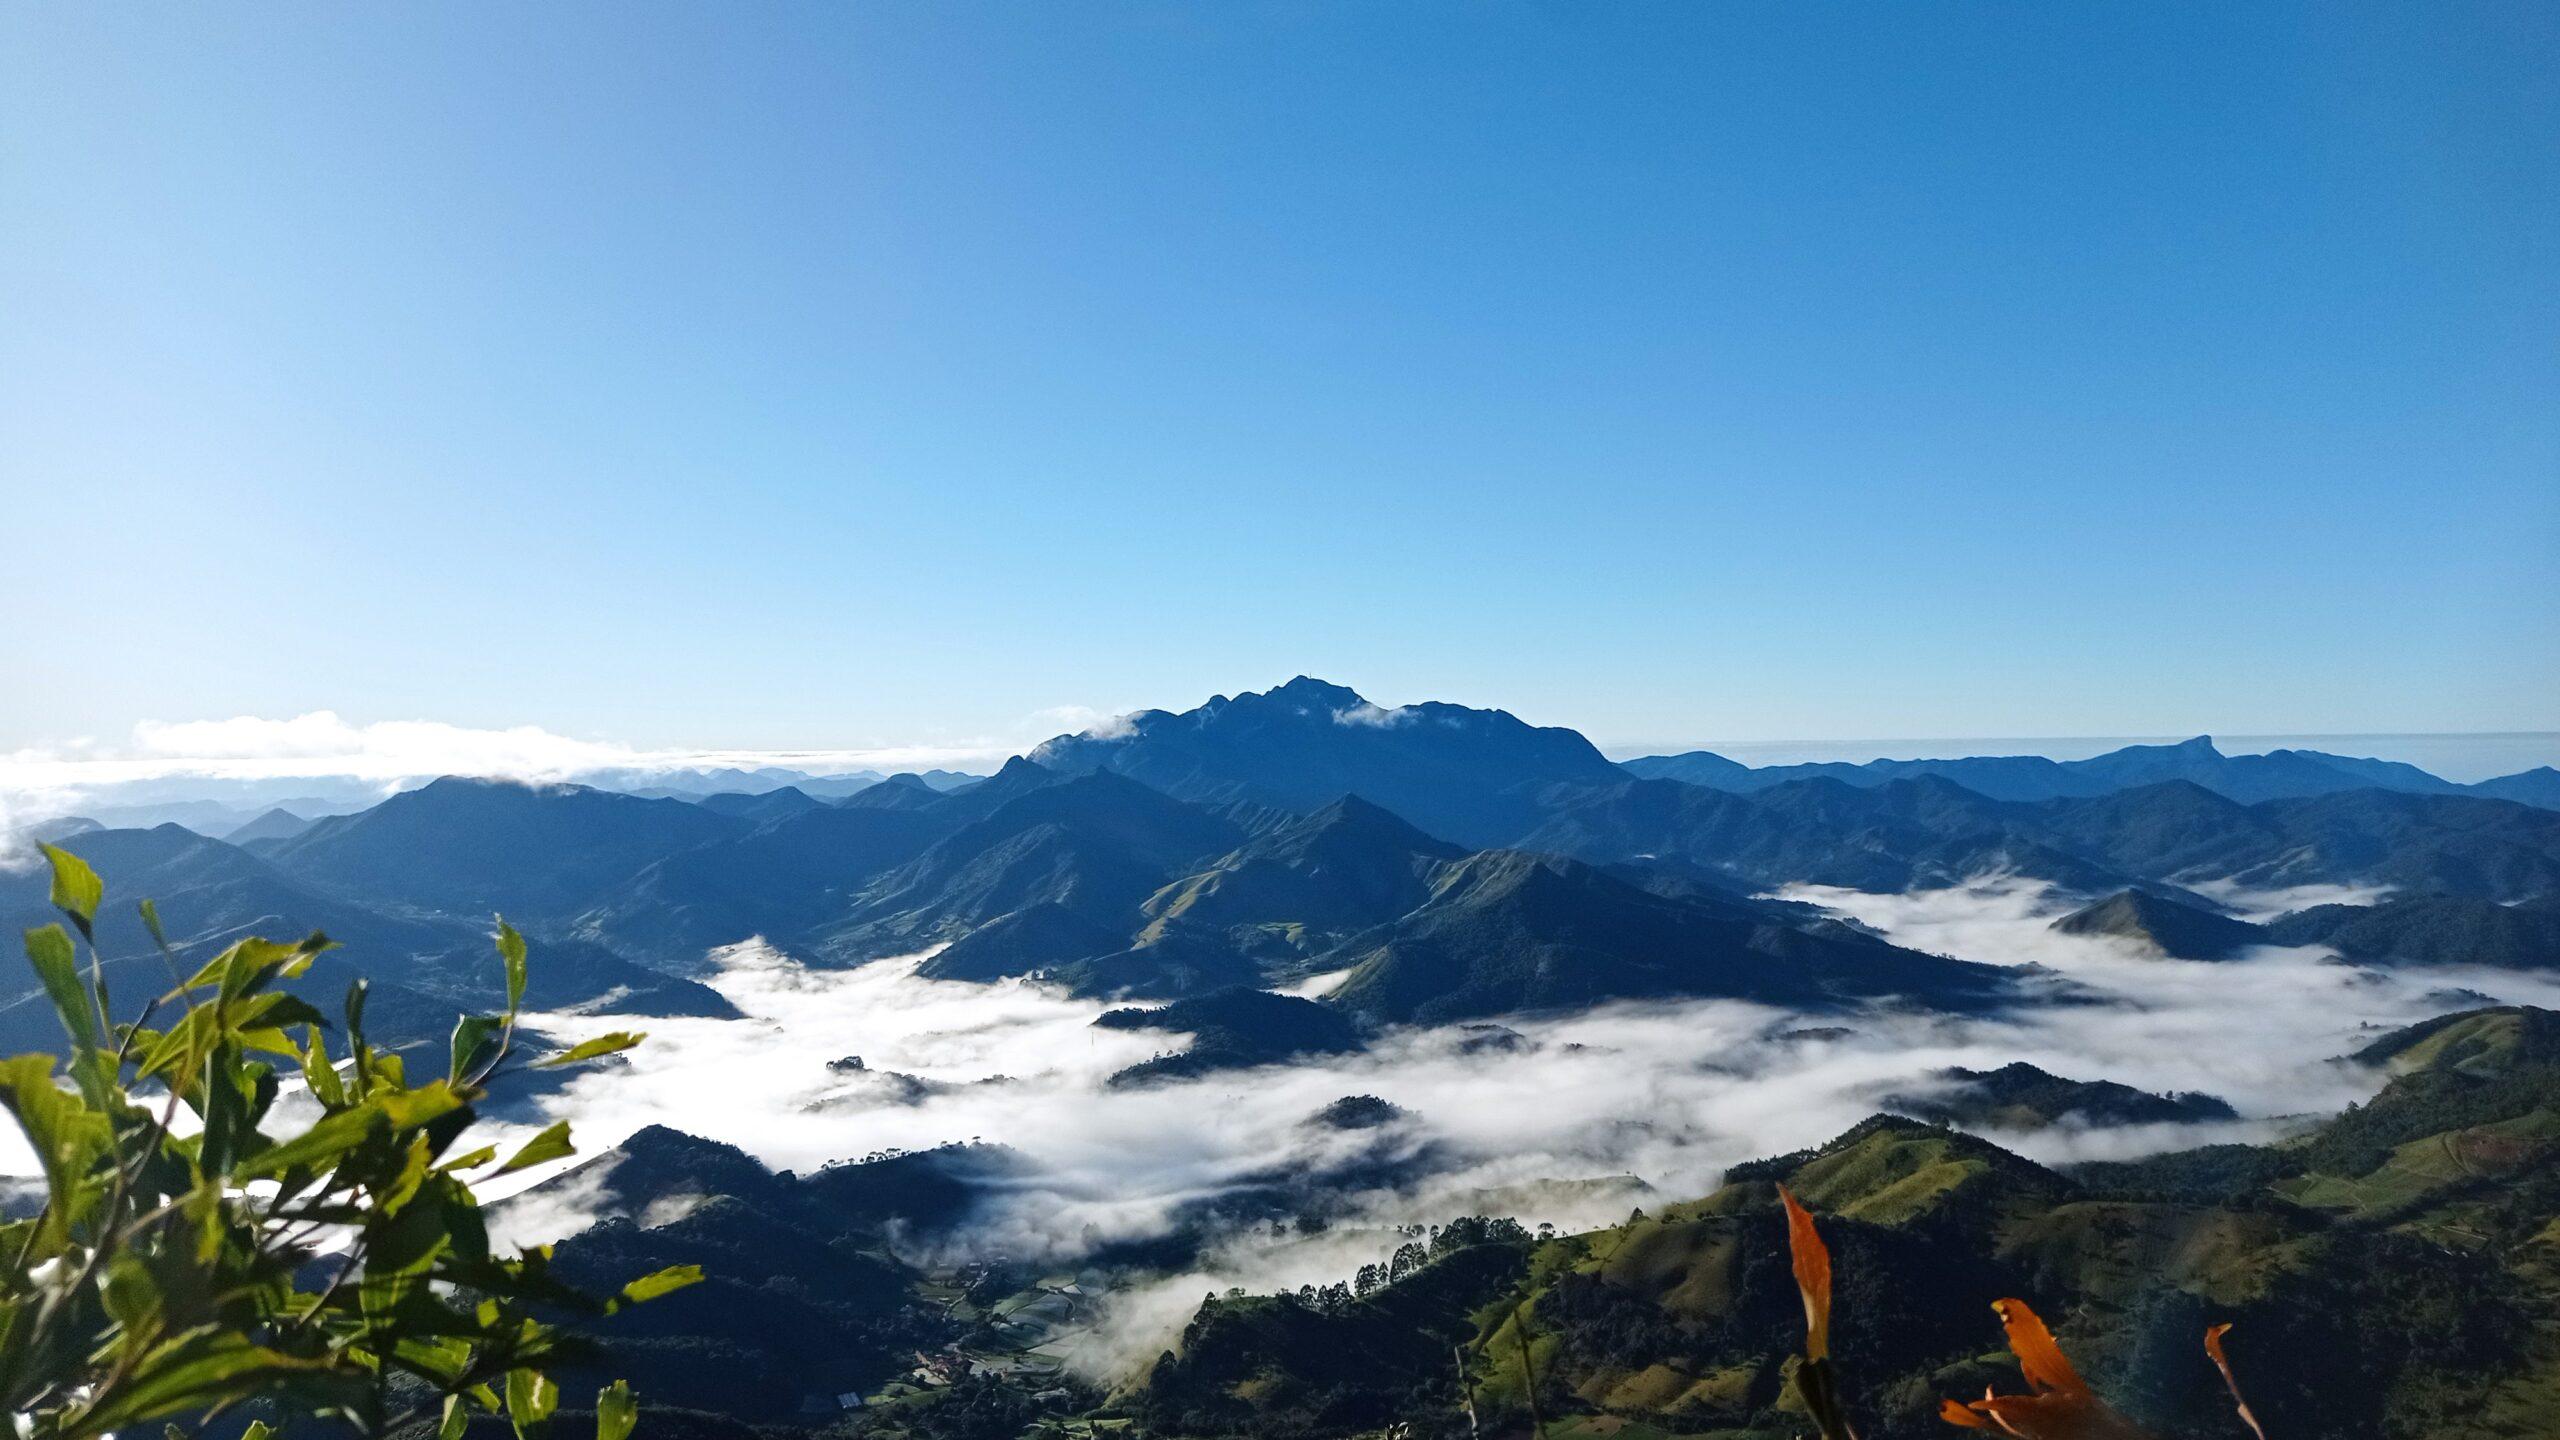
<point>164,1278</point>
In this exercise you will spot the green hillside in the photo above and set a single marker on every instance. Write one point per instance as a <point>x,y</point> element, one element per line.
<point>2394,1273</point>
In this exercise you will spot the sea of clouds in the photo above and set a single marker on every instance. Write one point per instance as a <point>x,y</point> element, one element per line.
<point>1590,1115</point>
<point>1597,1112</point>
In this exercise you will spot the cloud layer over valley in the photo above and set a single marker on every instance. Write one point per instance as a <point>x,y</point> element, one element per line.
<point>1571,1120</point>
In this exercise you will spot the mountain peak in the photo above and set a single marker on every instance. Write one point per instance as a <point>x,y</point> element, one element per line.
<point>1352,810</point>
<point>1019,773</point>
<point>1310,690</point>
<point>1451,770</point>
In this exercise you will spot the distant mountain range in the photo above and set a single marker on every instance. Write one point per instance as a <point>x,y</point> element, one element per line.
<point>1458,863</point>
<point>2276,775</point>
<point>423,969</point>
<point>221,807</point>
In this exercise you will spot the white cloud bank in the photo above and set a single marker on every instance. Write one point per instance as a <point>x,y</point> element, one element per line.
<point>1624,1105</point>
<point>1572,1129</point>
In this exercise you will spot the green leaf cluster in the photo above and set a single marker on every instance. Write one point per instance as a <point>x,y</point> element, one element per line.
<point>196,1254</point>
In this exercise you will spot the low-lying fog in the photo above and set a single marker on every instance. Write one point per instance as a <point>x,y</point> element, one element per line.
<point>1650,1101</point>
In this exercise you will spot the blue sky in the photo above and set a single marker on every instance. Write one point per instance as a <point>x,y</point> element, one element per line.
<point>811,375</point>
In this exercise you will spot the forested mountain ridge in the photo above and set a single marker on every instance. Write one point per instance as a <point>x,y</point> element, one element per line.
<point>2390,1274</point>
<point>2273,775</point>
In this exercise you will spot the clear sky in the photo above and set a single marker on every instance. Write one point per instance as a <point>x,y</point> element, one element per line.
<point>812,375</point>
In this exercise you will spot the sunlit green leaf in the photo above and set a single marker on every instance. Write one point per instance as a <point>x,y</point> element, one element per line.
<point>474,1036</point>
<point>58,967</point>
<point>610,1044</point>
<point>663,1282</point>
<point>551,1144</point>
<point>409,1109</point>
<point>455,1419</point>
<point>251,965</point>
<point>616,1412</point>
<point>76,888</point>
<point>531,1397</point>
<point>322,1146</point>
<point>318,1073</point>
<point>511,950</point>
<point>188,1372</point>
<point>68,1139</point>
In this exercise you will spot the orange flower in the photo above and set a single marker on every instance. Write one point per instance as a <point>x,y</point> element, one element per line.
<point>1813,1276</point>
<point>2060,1407</point>
<point>1816,1383</point>
<point>2213,1347</point>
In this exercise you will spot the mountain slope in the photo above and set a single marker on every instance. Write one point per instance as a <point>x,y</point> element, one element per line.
<point>802,1299</point>
<point>1911,833</point>
<point>779,880</point>
<point>2538,786</point>
<point>2431,930</point>
<point>2020,1096</point>
<point>1233,1029</point>
<point>1095,845</point>
<point>1929,831</point>
<point>1027,941</point>
<point>476,846</point>
<point>1507,931</point>
<point>276,824</point>
<point>760,807</point>
<point>1344,868</point>
<point>2162,926</point>
<point>2384,1276</point>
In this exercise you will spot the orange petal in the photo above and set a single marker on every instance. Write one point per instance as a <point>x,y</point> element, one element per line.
<point>2213,1347</point>
<point>1813,1276</point>
<point>1956,1412</point>
<point>2041,1359</point>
